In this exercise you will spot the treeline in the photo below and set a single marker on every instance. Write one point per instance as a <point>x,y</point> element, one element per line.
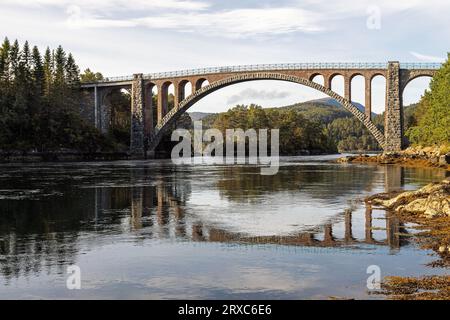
<point>320,128</point>
<point>298,135</point>
<point>344,131</point>
<point>350,134</point>
<point>39,102</point>
<point>431,120</point>
<point>328,127</point>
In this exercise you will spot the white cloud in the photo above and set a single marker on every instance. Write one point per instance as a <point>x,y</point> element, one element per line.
<point>78,19</point>
<point>201,16</point>
<point>251,93</point>
<point>238,23</point>
<point>114,5</point>
<point>345,8</point>
<point>427,58</point>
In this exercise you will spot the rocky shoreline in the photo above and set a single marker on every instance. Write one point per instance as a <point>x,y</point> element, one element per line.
<point>412,157</point>
<point>432,200</point>
<point>428,208</point>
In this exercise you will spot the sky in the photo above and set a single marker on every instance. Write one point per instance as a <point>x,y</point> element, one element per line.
<point>122,37</point>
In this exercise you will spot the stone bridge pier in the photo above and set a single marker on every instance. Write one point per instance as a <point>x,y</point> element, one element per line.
<point>138,139</point>
<point>149,123</point>
<point>393,120</point>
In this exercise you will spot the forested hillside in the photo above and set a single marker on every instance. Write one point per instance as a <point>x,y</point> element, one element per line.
<point>343,130</point>
<point>431,119</point>
<point>39,102</point>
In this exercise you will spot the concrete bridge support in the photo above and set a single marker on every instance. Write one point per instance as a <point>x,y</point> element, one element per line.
<point>102,109</point>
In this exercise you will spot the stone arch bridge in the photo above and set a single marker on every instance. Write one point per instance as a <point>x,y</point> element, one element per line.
<point>147,129</point>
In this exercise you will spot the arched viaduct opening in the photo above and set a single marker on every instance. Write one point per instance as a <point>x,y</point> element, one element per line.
<point>172,116</point>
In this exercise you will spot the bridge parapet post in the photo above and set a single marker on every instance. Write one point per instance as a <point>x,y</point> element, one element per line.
<point>137,117</point>
<point>394,109</point>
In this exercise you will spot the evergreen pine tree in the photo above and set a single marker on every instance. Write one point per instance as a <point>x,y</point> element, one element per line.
<point>60,68</point>
<point>25,66</point>
<point>5,73</point>
<point>48,73</point>
<point>38,73</point>
<point>14,59</point>
<point>5,61</point>
<point>72,73</point>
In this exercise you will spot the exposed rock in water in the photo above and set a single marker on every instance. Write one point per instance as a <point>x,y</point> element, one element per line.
<point>437,157</point>
<point>433,200</point>
<point>346,159</point>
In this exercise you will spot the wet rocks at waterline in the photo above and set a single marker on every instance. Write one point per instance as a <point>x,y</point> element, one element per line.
<point>413,156</point>
<point>433,200</point>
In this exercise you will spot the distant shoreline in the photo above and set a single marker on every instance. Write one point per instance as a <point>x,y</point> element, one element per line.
<point>60,156</point>
<point>73,156</point>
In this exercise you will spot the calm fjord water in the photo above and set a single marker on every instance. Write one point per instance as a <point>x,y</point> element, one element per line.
<point>152,230</point>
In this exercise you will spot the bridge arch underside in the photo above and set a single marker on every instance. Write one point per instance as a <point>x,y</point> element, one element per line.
<point>408,76</point>
<point>170,118</point>
<point>109,103</point>
<point>415,82</point>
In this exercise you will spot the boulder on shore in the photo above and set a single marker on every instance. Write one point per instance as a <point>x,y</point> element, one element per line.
<point>432,200</point>
<point>444,160</point>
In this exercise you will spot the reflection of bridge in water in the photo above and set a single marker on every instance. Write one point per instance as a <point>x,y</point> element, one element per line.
<point>171,219</point>
<point>57,230</point>
<point>324,237</point>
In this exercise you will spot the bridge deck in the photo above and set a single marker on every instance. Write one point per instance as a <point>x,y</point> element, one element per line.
<point>126,80</point>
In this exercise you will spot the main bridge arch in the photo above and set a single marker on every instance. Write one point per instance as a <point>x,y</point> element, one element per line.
<point>167,121</point>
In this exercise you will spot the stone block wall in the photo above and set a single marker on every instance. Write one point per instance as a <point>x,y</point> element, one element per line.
<point>137,116</point>
<point>394,110</point>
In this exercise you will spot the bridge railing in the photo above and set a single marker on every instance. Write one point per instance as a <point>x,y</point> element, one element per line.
<point>421,66</point>
<point>264,67</point>
<point>118,79</point>
<point>269,67</point>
